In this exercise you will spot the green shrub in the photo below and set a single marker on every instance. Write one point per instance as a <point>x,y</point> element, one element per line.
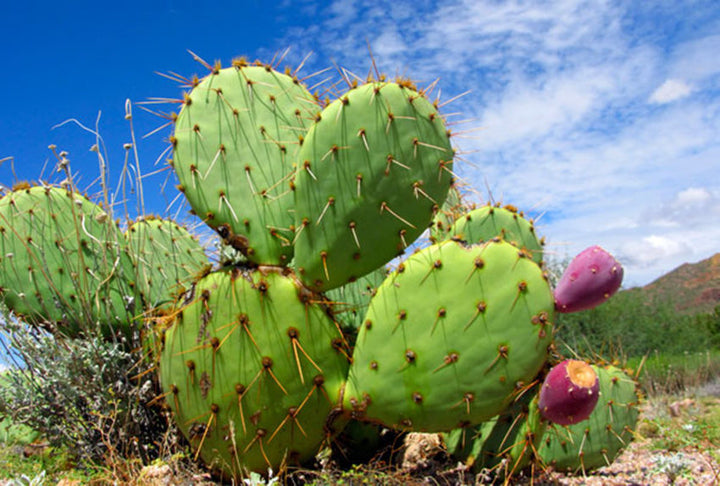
<point>628,326</point>
<point>81,394</point>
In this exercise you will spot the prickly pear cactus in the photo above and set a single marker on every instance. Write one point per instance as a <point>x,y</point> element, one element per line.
<point>166,257</point>
<point>488,222</point>
<point>372,171</point>
<point>234,145</point>
<point>450,336</point>
<point>252,370</point>
<point>64,262</point>
<point>597,441</point>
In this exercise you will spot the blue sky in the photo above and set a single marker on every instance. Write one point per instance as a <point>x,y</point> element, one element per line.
<point>602,118</point>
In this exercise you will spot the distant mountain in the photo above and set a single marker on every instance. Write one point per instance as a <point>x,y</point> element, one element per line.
<point>692,287</point>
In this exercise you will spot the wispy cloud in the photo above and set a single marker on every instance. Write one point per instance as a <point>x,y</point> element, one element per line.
<point>603,114</point>
<point>671,90</point>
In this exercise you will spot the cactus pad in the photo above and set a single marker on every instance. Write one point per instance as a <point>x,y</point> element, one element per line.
<point>166,256</point>
<point>252,370</point>
<point>449,336</point>
<point>488,222</point>
<point>234,142</point>
<point>372,171</point>
<point>63,262</point>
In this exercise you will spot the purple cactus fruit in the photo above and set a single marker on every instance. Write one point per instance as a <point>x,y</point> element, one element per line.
<point>592,277</point>
<point>569,393</point>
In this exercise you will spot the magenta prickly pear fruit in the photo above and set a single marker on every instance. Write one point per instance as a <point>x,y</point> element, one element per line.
<point>569,393</point>
<point>597,441</point>
<point>592,277</point>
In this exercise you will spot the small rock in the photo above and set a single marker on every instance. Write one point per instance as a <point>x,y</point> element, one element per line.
<point>676,408</point>
<point>156,475</point>
<point>420,450</point>
<point>69,482</point>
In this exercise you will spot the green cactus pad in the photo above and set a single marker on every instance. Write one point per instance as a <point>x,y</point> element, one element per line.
<point>234,145</point>
<point>508,440</point>
<point>252,370</point>
<point>63,262</point>
<point>488,222</point>
<point>372,171</point>
<point>450,336</point>
<point>166,257</point>
<point>597,441</point>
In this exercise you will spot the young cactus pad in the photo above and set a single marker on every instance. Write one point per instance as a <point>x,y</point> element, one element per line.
<point>372,171</point>
<point>234,145</point>
<point>449,336</point>
<point>252,370</point>
<point>597,441</point>
<point>488,222</point>
<point>64,262</point>
<point>166,257</point>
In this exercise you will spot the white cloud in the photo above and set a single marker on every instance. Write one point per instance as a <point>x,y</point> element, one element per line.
<point>649,249</point>
<point>692,206</point>
<point>693,196</point>
<point>389,44</point>
<point>671,90</point>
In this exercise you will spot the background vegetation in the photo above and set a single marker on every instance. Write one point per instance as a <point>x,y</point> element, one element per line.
<point>629,325</point>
